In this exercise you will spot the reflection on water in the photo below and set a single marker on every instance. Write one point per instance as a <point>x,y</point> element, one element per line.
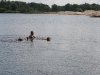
<point>73,49</point>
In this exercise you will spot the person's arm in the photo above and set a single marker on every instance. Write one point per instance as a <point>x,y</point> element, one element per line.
<point>44,38</point>
<point>34,36</point>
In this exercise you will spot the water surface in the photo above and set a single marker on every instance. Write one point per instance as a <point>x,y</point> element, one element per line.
<point>74,48</point>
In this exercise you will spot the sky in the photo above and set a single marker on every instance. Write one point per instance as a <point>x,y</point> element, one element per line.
<point>61,2</point>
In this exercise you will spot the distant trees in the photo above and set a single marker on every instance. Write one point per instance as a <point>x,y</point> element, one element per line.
<point>82,7</point>
<point>2,0</point>
<point>23,7</point>
<point>67,7</point>
<point>39,7</point>
<point>2,10</point>
<point>54,8</point>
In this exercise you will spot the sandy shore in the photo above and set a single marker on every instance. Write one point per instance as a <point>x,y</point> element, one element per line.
<point>87,12</point>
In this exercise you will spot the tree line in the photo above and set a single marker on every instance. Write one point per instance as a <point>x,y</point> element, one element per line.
<point>23,7</point>
<point>76,7</point>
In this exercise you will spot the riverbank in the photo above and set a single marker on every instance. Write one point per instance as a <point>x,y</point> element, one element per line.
<point>87,12</point>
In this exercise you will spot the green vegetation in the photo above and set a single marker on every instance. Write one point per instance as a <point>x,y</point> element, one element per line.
<point>23,7</point>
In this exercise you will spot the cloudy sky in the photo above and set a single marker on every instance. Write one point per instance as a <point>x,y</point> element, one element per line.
<point>61,2</point>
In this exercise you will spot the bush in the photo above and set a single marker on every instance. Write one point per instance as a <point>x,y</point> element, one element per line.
<point>78,10</point>
<point>2,10</point>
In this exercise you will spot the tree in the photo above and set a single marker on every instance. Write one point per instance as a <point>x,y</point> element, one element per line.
<point>74,7</point>
<point>87,6</point>
<point>95,6</point>
<point>54,8</point>
<point>2,10</point>
<point>14,6</point>
<point>23,7</point>
<point>47,8</point>
<point>60,8</point>
<point>78,10</point>
<point>67,7</point>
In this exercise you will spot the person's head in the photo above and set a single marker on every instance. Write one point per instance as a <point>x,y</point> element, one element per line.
<point>20,39</point>
<point>32,33</point>
<point>48,38</point>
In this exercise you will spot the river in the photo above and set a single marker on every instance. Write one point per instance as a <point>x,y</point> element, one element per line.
<point>74,48</point>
